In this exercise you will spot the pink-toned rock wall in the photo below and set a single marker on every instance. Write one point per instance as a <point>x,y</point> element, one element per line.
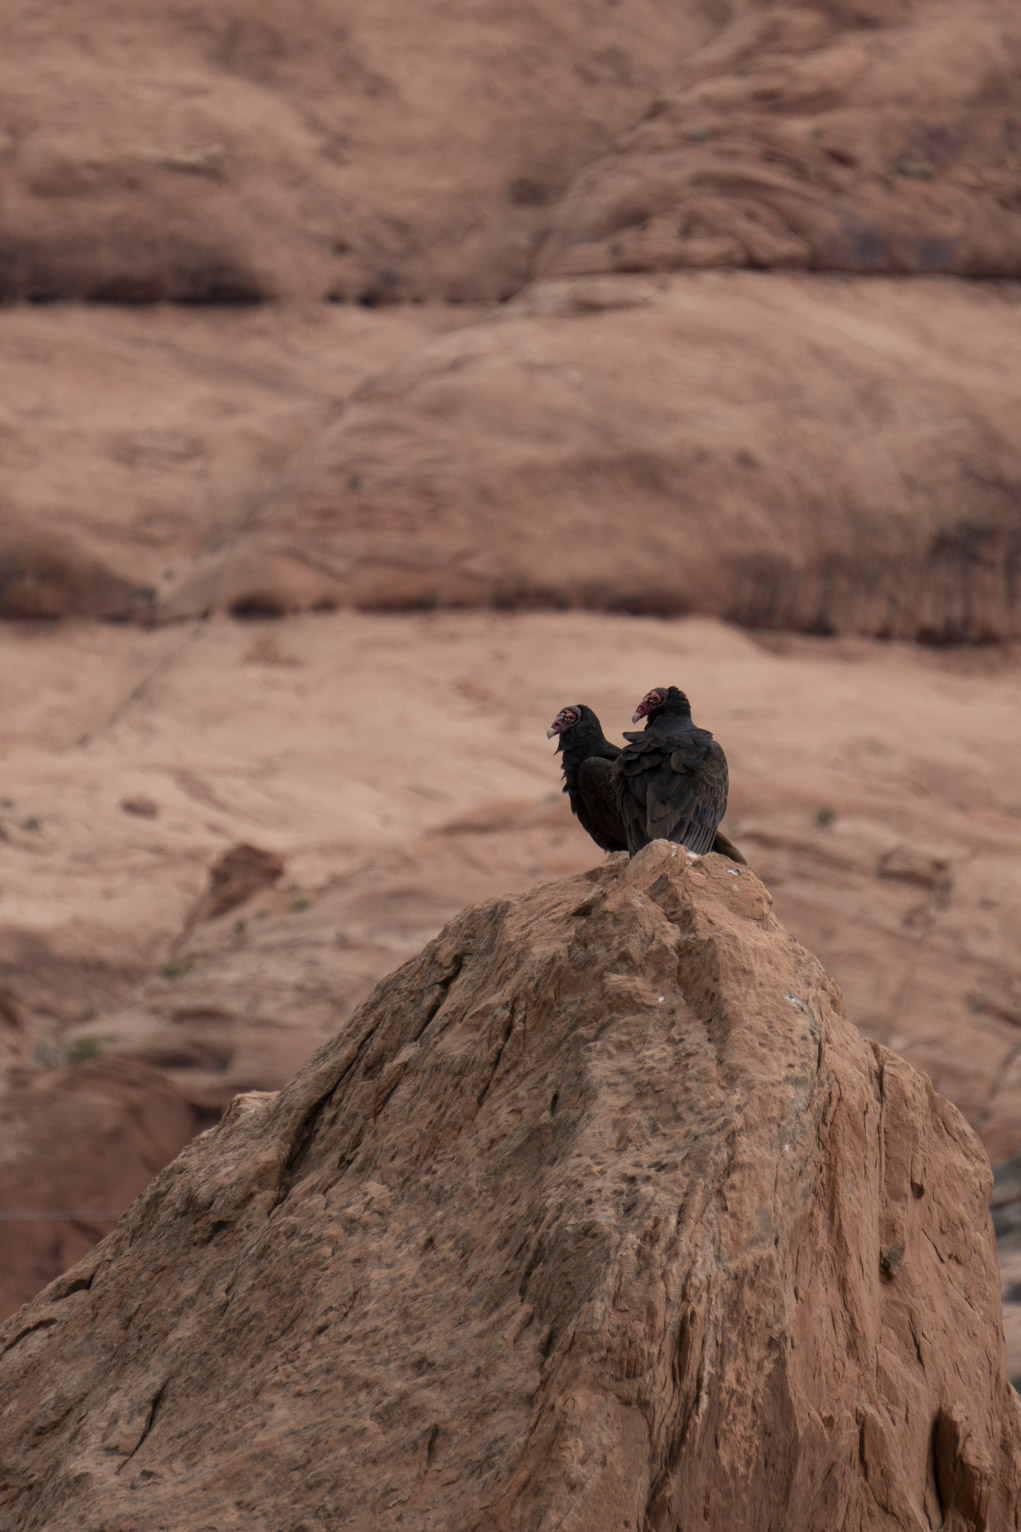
<point>77,1145</point>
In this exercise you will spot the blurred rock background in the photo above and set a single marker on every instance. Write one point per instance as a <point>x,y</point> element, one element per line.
<point>376,383</point>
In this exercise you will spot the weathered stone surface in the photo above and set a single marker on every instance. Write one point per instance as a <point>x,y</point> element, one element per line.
<point>783,451</point>
<point>598,1213</point>
<point>875,137</point>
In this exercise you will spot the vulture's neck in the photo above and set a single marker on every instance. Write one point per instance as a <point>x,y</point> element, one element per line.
<point>583,740</point>
<point>674,716</point>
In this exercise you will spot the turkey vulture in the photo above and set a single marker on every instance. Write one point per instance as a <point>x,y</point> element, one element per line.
<point>671,780</point>
<point>589,783</point>
<point>588,760</point>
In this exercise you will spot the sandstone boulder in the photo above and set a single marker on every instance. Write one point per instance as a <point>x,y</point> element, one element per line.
<point>597,1214</point>
<point>234,878</point>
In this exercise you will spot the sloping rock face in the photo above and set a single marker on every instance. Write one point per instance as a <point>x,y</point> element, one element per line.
<point>597,1214</point>
<point>776,450</point>
<point>852,137</point>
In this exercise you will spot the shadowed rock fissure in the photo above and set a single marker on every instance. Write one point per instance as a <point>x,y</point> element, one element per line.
<point>304,1134</point>
<point>154,1405</point>
<point>19,1335</point>
<point>508,1027</point>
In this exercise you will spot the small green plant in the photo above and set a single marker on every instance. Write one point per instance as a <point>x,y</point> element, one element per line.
<point>825,815</point>
<point>301,903</point>
<point>173,970</point>
<point>918,170</point>
<point>79,1049</point>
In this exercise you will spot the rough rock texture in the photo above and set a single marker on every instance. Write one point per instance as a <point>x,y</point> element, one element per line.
<point>598,1213</point>
<point>227,154</point>
<point>875,136</point>
<point>781,451</point>
<point>77,1145</point>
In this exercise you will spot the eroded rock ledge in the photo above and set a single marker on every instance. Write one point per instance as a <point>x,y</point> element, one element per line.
<point>597,1214</point>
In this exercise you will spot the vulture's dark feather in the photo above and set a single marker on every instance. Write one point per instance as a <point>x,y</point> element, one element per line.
<point>723,846</point>
<point>588,759</point>
<point>599,799</point>
<point>672,780</point>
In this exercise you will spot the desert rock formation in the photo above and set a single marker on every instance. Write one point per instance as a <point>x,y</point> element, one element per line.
<point>230,155</point>
<point>815,454</point>
<point>598,1213</point>
<point>880,136</point>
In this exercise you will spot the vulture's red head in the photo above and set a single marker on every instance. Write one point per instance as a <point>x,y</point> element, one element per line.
<point>565,719</point>
<point>662,697</point>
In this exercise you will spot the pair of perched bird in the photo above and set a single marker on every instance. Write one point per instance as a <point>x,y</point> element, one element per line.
<point>667,783</point>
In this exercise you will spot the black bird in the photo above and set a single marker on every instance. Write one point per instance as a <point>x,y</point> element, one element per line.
<point>589,783</point>
<point>670,780</point>
<point>588,760</point>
